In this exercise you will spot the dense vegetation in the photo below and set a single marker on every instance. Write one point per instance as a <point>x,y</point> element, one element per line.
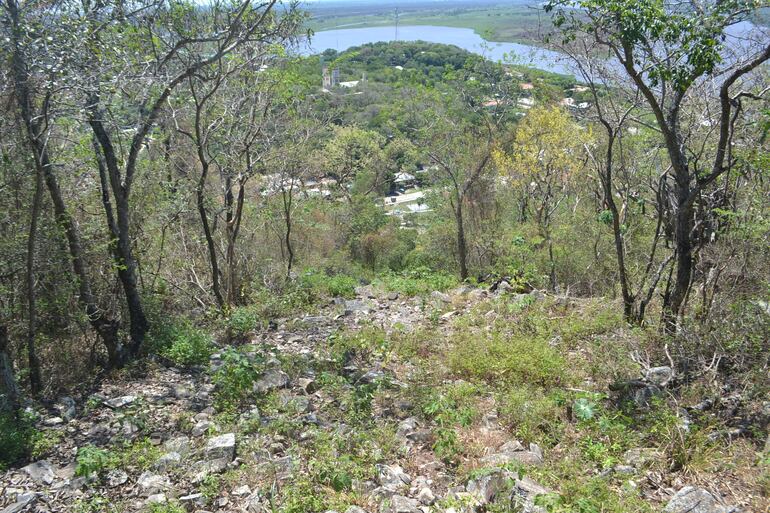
<point>176,180</point>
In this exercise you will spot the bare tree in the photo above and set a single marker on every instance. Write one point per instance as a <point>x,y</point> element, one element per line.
<point>673,55</point>
<point>176,58</point>
<point>33,107</point>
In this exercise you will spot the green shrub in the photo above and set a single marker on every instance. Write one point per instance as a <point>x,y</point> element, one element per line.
<point>93,460</point>
<point>241,322</point>
<point>533,415</point>
<point>450,408</point>
<point>187,345</point>
<point>235,378</point>
<point>514,359</point>
<point>17,435</point>
<point>324,284</point>
<point>168,507</point>
<point>417,281</point>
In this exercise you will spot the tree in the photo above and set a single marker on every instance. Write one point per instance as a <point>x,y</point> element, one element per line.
<point>613,109</point>
<point>548,154</point>
<point>353,158</point>
<point>459,134</point>
<point>677,53</point>
<point>32,64</point>
<point>190,41</point>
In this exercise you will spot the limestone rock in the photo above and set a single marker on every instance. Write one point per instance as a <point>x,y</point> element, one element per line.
<point>426,496</point>
<point>659,376</point>
<point>401,504</point>
<point>116,477</point>
<point>221,447</point>
<point>179,444</point>
<point>22,501</point>
<point>272,379</point>
<point>514,452</point>
<point>120,402</point>
<point>641,456</point>
<point>152,484</point>
<point>694,500</point>
<point>41,472</point>
<point>487,487</point>
<point>168,460</point>
<point>393,477</point>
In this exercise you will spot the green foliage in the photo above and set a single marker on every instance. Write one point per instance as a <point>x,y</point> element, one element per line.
<point>43,442</point>
<point>17,436</point>
<point>584,409</point>
<point>181,342</point>
<point>235,378</point>
<point>516,359</point>
<point>321,284</point>
<point>532,414</point>
<point>168,507</point>
<point>141,454</point>
<point>417,281</point>
<point>241,322</point>
<point>96,504</point>
<point>450,408</point>
<point>594,495</point>
<point>93,460</point>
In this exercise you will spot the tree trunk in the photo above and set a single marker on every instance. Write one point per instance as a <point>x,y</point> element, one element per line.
<point>35,381</point>
<point>462,248</point>
<point>210,245</point>
<point>104,326</point>
<point>620,253</point>
<point>9,390</point>
<point>287,201</point>
<point>674,305</point>
<point>120,225</point>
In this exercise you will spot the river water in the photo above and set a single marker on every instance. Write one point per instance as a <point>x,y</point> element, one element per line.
<point>467,39</point>
<point>741,38</point>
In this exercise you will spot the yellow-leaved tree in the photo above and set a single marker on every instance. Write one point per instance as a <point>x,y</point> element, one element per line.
<point>547,156</point>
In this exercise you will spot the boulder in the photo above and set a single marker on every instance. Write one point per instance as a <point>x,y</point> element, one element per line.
<point>23,500</point>
<point>152,484</point>
<point>120,402</point>
<point>514,452</point>
<point>641,456</point>
<point>426,496</point>
<point>116,477</point>
<point>179,444</point>
<point>659,376</point>
<point>220,447</point>
<point>401,504</point>
<point>694,500</point>
<point>523,495</point>
<point>41,472</point>
<point>487,487</point>
<point>168,460</point>
<point>440,296</point>
<point>272,379</point>
<point>393,477</point>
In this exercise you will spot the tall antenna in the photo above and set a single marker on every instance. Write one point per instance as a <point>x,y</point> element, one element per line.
<point>396,23</point>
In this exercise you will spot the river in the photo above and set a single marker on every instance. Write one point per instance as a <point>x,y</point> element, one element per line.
<point>465,38</point>
<point>741,36</point>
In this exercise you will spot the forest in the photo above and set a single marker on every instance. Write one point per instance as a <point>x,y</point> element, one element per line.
<point>399,278</point>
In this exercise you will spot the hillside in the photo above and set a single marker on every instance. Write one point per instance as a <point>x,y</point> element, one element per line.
<point>400,278</point>
<point>445,402</point>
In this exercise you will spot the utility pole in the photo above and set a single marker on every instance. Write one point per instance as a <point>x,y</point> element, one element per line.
<point>396,23</point>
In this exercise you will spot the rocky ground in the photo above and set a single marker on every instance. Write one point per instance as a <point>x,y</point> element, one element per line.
<point>157,442</point>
